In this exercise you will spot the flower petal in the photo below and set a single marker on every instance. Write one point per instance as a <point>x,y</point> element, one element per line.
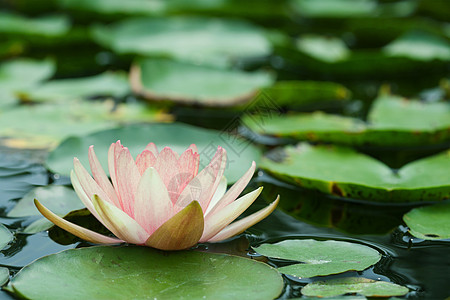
<point>120,223</point>
<point>88,184</point>
<point>100,177</point>
<point>145,160</point>
<point>167,167</point>
<point>128,177</point>
<point>241,225</point>
<point>234,191</point>
<point>82,233</point>
<point>181,231</point>
<point>113,151</point>
<point>194,148</point>
<point>219,220</point>
<point>152,206</point>
<point>188,164</point>
<point>152,148</point>
<point>203,186</point>
<point>221,189</point>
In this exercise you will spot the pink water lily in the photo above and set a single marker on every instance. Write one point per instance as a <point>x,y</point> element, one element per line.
<point>161,199</point>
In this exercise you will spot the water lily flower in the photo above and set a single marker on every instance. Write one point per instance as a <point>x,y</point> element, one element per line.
<point>161,200</point>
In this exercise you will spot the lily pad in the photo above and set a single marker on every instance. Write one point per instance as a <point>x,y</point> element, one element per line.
<point>106,84</point>
<point>323,48</point>
<point>194,39</point>
<point>178,136</point>
<point>392,121</point>
<point>60,199</point>
<point>363,286</point>
<point>45,27</point>
<point>141,272</point>
<point>20,74</point>
<point>108,7</point>
<point>429,222</point>
<point>37,129</point>
<point>4,275</point>
<point>5,236</point>
<point>320,258</point>
<point>158,79</point>
<point>346,173</point>
<point>419,46</point>
<point>334,8</point>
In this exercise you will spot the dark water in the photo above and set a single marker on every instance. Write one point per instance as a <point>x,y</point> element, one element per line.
<point>422,266</point>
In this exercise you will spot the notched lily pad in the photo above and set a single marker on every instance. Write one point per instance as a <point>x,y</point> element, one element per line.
<point>160,79</point>
<point>346,173</point>
<point>320,258</point>
<point>178,136</point>
<point>429,222</point>
<point>363,286</point>
<point>194,39</point>
<point>392,121</point>
<point>141,272</point>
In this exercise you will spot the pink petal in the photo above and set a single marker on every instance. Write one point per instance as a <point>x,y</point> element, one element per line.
<point>113,152</point>
<point>82,233</point>
<point>221,189</point>
<point>120,223</point>
<point>235,190</point>
<point>181,231</point>
<point>128,177</point>
<point>167,167</point>
<point>193,147</point>
<point>88,184</point>
<point>145,160</point>
<point>152,148</point>
<point>218,221</point>
<point>188,164</point>
<point>202,187</point>
<point>101,178</point>
<point>152,204</point>
<point>83,196</point>
<point>242,225</point>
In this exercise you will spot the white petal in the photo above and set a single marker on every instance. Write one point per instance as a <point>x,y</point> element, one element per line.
<point>221,189</point>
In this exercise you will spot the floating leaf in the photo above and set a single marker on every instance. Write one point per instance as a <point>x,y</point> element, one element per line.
<point>5,236</point>
<point>4,275</point>
<point>363,286</point>
<point>60,199</point>
<point>319,258</point>
<point>346,173</point>
<point>107,7</point>
<point>334,8</point>
<point>178,136</point>
<point>43,126</point>
<point>157,79</point>
<point>429,222</point>
<point>106,84</point>
<point>46,27</point>
<point>195,39</point>
<point>391,121</point>
<point>419,46</point>
<point>323,48</point>
<point>141,272</point>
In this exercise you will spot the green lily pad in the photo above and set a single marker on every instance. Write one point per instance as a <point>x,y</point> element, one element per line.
<point>363,286</point>
<point>158,79</point>
<point>334,8</point>
<point>5,236</point>
<point>106,84</point>
<point>429,222</point>
<point>419,46</point>
<point>60,199</point>
<point>391,121</point>
<point>297,93</point>
<point>320,258</point>
<point>4,275</point>
<point>323,48</point>
<point>44,27</point>
<point>194,39</point>
<point>347,173</point>
<point>37,128</point>
<point>178,136</point>
<point>19,74</point>
<point>141,272</point>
